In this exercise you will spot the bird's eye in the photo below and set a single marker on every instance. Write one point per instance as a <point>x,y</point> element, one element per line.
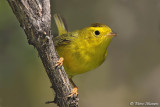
<point>97,32</point>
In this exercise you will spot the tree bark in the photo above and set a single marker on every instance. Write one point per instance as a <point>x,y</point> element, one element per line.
<point>35,18</point>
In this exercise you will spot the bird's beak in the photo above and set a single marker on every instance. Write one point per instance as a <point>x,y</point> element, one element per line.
<point>112,34</point>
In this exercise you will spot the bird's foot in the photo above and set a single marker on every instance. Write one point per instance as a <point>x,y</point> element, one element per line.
<point>74,92</point>
<point>60,62</point>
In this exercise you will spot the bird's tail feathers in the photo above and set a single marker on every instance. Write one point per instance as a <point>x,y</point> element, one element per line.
<point>62,29</point>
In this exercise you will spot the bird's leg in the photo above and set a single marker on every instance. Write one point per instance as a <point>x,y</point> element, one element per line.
<point>60,62</point>
<point>75,88</point>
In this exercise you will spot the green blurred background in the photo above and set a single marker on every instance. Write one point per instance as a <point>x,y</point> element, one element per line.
<point>131,72</point>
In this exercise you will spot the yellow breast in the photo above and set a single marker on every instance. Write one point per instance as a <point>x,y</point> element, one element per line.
<point>81,56</point>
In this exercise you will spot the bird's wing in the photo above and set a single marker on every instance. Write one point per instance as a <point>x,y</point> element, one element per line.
<point>64,39</point>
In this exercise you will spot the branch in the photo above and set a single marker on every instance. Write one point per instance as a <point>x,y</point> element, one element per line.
<point>34,17</point>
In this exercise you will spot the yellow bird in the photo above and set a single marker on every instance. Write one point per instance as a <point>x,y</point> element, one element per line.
<point>82,50</point>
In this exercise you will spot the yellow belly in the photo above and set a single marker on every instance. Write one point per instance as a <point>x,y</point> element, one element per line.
<point>79,60</point>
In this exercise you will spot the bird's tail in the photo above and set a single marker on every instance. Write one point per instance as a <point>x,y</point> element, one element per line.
<point>60,24</point>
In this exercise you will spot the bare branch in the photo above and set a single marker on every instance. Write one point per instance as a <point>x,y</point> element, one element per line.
<point>34,17</point>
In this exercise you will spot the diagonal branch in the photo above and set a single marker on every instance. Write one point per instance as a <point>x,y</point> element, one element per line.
<point>34,17</point>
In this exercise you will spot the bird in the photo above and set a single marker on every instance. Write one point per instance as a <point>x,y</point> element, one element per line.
<point>81,50</point>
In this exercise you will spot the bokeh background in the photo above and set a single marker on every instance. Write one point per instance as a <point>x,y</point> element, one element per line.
<point>131,72</point>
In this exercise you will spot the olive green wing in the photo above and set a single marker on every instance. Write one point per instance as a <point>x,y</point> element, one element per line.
<point>64,39</point>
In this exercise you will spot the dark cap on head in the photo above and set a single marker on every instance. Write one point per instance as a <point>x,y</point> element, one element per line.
<point>98,25</point>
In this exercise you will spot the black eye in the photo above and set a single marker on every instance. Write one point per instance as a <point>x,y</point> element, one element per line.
<point>97,32</point>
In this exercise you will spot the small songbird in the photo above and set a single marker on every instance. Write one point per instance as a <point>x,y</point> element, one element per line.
<point>82,50</point>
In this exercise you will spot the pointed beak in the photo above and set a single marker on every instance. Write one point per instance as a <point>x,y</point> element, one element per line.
<point>112,34</point>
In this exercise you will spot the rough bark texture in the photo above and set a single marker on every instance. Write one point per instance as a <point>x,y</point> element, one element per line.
<point>34,17</point>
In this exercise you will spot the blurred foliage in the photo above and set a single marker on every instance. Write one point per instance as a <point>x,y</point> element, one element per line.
<point>130,73</point>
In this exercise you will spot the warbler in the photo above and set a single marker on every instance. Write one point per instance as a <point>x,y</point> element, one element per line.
<point>82,50</point>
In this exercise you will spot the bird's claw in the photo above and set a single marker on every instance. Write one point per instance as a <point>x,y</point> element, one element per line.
<point>60,62</point>
<point>74,92</point>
